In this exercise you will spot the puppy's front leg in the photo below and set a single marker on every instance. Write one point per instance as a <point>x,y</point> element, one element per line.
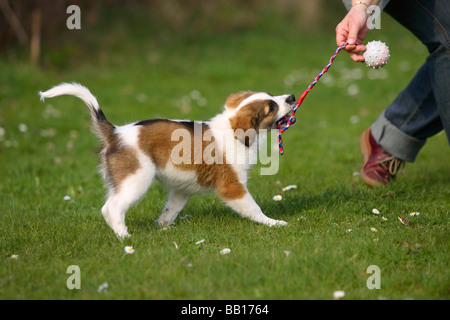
<point>248,208</point>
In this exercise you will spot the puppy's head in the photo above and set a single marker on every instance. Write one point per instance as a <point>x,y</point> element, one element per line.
<point>253,111</point>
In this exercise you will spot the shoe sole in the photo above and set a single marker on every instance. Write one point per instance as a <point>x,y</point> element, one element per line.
<point>365,151</point>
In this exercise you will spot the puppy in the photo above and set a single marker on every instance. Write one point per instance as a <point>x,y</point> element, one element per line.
<point>133,155</point>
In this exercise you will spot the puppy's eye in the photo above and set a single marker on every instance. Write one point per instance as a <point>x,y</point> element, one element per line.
<point>272,106</point>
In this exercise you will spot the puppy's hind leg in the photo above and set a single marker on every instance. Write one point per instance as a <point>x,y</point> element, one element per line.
<point>176,202</point>
<point>123,197</point>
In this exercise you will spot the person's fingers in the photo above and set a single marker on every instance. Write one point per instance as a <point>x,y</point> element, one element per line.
<point>350,47</point>
<point>341,33</point>
<point>353,32</point>
<point>356,57</point>
<point>356,49</point>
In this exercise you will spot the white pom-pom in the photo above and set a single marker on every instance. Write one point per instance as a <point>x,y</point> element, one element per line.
<point>376,55</point>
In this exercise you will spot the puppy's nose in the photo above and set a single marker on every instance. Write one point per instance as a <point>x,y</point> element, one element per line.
<point>290,99</point>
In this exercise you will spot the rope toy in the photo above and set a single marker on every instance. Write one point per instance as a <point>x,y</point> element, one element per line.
<point>300,100</point>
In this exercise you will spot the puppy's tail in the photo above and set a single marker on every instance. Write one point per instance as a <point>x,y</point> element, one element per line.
<point>103,128</point>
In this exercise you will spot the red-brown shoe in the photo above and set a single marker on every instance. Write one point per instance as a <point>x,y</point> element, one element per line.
<point>379,167</point>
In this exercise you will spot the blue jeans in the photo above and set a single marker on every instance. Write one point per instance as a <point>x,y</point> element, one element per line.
<point>422,109</point>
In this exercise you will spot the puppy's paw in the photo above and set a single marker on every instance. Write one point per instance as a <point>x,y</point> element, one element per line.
<point>122,233</point>
<point>162,223</point>
<point>276,223</point>
<point>280,223</point>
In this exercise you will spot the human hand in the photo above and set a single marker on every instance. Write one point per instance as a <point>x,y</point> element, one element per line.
<point>353,29</point>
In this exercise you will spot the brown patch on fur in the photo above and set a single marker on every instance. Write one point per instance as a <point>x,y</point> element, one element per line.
<point>120,163</point>
<point>255,115</point>
<point>155,141</point>
<point>230,188</point>
<point>235,99</point>
<point>117,162</point>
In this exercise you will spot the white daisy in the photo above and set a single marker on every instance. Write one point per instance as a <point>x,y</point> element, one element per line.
<point>14,257</point>
<point>277,198</point>
<point>375,211</point>
<point>373,230</point>
<point>23,127</point>
<point>338,294</point>
<point>412,214</point>
<point>200,241</point>
<point>225,251</point>
<point>129,250</point>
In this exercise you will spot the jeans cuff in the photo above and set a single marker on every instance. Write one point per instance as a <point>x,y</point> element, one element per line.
<point>395,141</point>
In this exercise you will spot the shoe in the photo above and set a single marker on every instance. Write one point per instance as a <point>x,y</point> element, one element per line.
<point>379,167</point>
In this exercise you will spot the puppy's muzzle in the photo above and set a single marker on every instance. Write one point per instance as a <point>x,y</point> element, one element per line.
<point>284,120</point>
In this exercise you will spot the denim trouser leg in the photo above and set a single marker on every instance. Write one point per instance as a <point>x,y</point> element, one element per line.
<point>422,109</point>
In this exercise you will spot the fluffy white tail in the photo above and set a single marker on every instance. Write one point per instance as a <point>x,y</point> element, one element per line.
<point>72,89</point>
<point>102,126</point>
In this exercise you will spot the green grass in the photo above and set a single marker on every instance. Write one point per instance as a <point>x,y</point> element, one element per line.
<point>139,79</point>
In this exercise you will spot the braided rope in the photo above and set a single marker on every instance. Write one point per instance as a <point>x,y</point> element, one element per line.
<point>302,97</point>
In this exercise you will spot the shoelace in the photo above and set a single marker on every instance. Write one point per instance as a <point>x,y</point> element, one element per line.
<point>393,164</point>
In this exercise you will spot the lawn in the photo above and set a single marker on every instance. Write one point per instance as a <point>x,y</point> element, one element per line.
<point>48,154</point>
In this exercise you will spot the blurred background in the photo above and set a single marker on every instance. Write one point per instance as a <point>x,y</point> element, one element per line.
<point>38,27</point>
<point>180,59</point>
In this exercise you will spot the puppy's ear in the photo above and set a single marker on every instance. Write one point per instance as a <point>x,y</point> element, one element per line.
<point>235,99</point>
<point>246,133</point>
<point>246,122</point>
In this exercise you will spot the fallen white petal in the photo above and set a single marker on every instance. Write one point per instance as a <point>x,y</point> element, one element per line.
<point>289,187</point>
<point>103,287</point>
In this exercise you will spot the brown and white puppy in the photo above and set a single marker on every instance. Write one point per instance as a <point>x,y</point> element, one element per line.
<point>133,155</point>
